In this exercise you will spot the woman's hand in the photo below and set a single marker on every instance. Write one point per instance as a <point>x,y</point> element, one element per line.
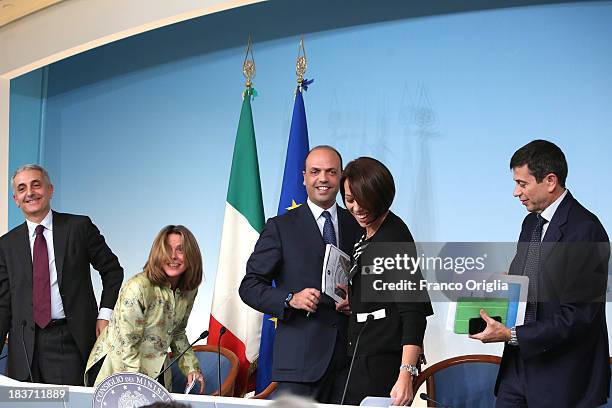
<point>197,376</point>
<point>402,392</point>
<point>343,306</point>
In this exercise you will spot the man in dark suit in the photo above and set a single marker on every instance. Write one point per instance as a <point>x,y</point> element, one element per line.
<point>310,346</point>
<point>47,301</point>
<point>559,356</point>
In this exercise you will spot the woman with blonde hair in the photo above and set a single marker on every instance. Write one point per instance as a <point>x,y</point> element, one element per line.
<point>152,312</point>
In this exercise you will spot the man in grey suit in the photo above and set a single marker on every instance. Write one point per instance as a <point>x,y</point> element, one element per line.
<point>47,302</point>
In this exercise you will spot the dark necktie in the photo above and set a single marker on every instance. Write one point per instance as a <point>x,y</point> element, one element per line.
<point>532,266</point>
<point>329,234</point>
<point>41,284</point>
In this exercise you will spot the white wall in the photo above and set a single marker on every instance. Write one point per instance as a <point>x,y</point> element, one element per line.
<point>35,41</point>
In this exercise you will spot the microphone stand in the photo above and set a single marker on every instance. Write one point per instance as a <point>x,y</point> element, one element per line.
<point>348,378</point>
<point>221,333</point>
<point>202,336</point>
<point>25,351</point>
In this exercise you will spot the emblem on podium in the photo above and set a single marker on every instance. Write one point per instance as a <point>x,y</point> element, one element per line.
<point>129,390</point>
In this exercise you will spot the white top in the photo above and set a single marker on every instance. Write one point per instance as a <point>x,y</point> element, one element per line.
<point>549,212</point>
<point>57,307</point>
<point>317,214</point>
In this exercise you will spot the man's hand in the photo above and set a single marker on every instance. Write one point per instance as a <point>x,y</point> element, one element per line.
<point>307,299</point>
<point>100,326</point>
<point>494,332</point>
<point>343,306</point>
<point>197,376</point>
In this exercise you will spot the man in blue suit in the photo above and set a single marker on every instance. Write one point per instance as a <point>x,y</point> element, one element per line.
<point>310,347</point>
<point>559,356</point>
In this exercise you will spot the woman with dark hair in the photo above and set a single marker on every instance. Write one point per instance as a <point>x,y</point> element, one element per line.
<point>152,312</point>
<point>391,344</point>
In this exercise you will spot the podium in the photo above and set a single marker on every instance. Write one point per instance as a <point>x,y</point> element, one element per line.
<point>82,397</point>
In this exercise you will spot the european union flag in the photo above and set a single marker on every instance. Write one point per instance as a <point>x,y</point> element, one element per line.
<point>293,194</point>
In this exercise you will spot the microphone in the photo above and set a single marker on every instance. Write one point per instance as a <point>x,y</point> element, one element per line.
<point>222,331</point>
<point>348,378</point>
<point>425,397</point>
<point>25,351</point>
<point>203,335</point>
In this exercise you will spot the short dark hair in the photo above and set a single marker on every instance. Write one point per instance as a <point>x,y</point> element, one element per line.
<point>328,147</point>
<point>542,158</point>
<point>371,184</point>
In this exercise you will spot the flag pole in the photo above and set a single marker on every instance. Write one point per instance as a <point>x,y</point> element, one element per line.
<point>242,223</point>
<point>293,195</point>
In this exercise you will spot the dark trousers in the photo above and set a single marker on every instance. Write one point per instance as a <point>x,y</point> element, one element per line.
<point>511,392</point>
<point>327,390</point>
<point>56,358</point>
<point>373,376</point>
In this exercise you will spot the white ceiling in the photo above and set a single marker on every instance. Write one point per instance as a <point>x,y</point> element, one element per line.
<point>11,10</point>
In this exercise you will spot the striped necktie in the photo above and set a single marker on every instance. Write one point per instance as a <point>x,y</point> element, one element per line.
<point>532,266</point>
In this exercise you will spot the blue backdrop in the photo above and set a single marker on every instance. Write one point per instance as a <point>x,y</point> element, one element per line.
<point>139,133</point>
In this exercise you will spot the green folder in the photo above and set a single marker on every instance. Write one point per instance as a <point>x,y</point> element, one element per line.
<point>468,308</point>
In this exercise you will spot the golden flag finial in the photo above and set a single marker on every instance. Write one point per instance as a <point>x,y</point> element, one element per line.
<point>248,67</point>
<point>301,63</point>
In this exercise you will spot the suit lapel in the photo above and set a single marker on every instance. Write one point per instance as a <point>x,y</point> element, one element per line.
<point>24,252</point>
<point>60,239</point>
<point>312,235</point>
<point>554,233</point>
<point>344,219</point>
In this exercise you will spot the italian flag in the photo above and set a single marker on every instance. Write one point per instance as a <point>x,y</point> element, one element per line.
<point>242,224</point>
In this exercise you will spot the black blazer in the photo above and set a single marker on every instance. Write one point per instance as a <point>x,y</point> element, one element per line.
<point>290,251</point>
<point>77,244</point>
<point>405,320</point>
<point>565,351</point>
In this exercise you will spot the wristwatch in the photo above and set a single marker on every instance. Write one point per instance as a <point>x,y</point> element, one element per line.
<point>513,339</point>
<point>288,299</point>
<point>411,369</point>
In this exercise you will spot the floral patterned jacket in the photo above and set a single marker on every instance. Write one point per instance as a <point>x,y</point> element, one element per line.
<point>146,320</point>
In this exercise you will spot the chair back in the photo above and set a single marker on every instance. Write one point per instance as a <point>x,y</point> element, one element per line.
<point>3,360</point>
<point>464,381</point>
<point>207,356</point>
<point>268,392</point>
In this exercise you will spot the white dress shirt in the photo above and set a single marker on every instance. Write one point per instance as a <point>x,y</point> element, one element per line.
<point>317,214</point>
<point>57,307</point>
<point>549,212</point>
